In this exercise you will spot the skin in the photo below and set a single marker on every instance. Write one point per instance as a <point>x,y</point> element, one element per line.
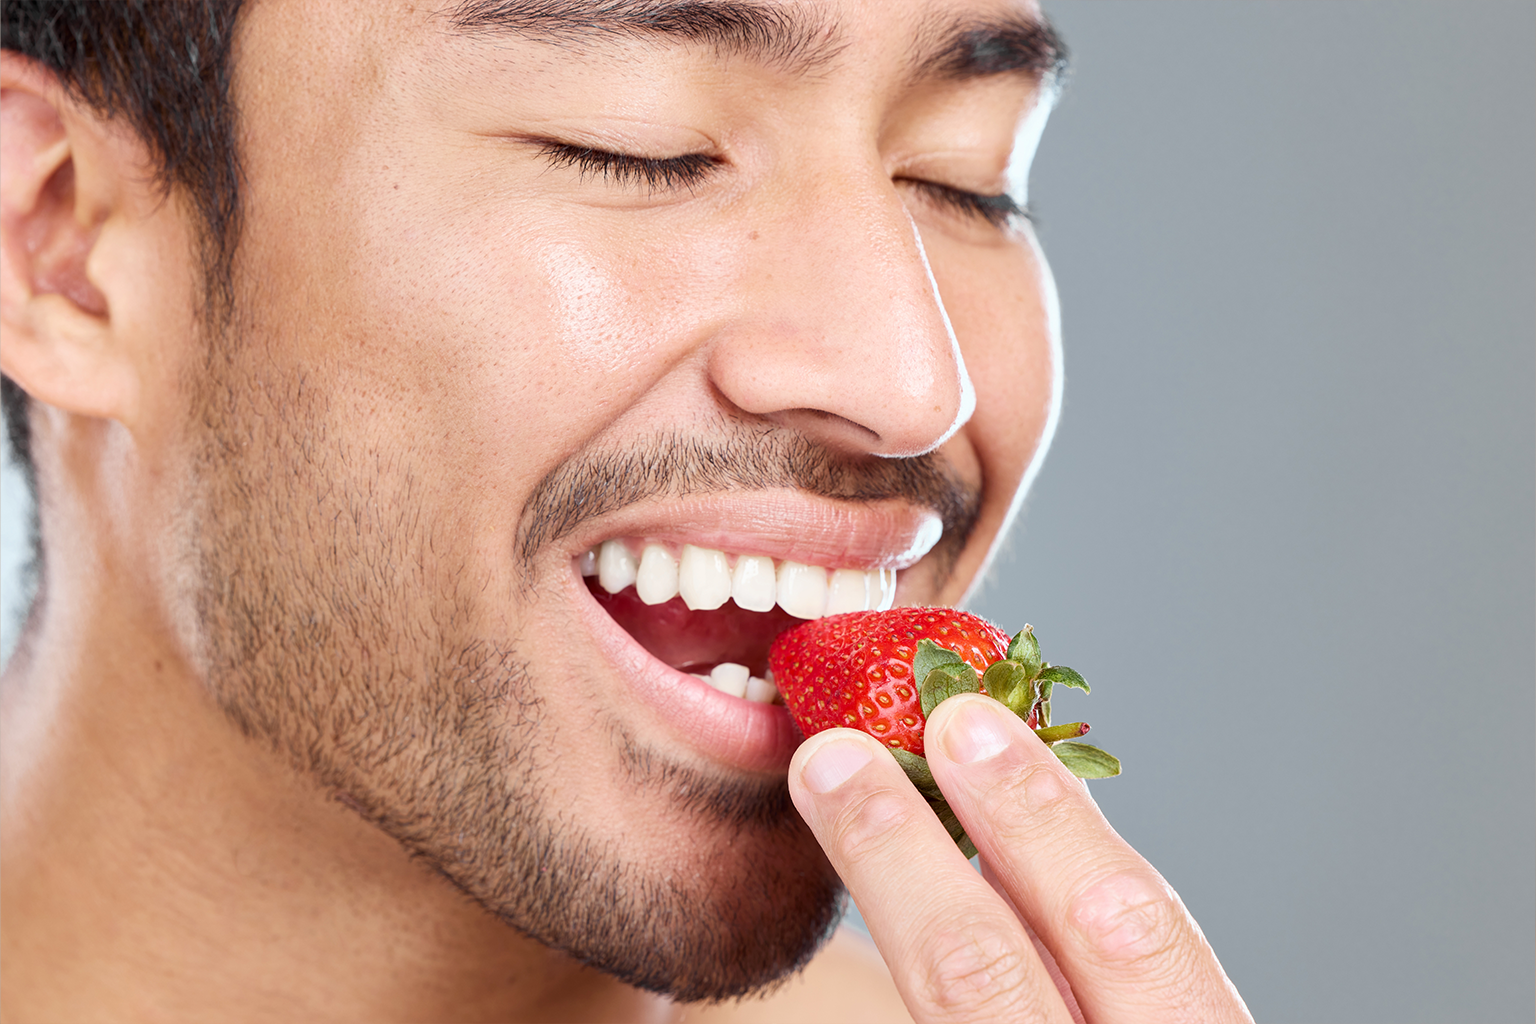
<point>431,321</point>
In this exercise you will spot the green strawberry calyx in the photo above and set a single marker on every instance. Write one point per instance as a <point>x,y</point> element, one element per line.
<point>1023,682</point>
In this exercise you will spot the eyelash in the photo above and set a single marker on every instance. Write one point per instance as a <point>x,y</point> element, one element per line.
<point>999,210</point>
<point>673,172</point>
<point>688,170</point>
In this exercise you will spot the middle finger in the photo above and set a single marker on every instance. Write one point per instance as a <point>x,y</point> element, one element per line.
<point>1120,934</point>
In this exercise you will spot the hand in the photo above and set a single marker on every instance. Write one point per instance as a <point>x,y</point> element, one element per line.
<point>958,944</point>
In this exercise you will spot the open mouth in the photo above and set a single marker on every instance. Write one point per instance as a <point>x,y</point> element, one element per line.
<point>713,613</point>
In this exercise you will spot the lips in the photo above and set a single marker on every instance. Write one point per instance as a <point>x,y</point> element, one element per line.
<point>686,605</point>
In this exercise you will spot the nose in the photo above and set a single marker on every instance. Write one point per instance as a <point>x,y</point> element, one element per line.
<point>841,333</point>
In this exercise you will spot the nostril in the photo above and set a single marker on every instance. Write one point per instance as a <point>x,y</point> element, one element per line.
<point>829,429</point>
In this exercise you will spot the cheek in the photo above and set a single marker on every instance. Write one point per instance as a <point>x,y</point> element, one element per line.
<point>1000,309</point>
<point>591,318</point>
<point>495,341</point>
<point>1000,303</point>
<point>537,339</point>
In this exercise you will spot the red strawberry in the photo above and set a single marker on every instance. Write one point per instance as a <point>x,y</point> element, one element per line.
<point>884,672</point>
<point>855,670</point>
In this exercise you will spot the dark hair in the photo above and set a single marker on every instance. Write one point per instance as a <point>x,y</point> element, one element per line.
<point>164,67</point>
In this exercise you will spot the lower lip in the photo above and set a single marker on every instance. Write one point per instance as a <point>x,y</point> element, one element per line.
<point>741,733</point>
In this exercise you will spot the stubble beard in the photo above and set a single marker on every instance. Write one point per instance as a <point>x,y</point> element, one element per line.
<point>335,627</point>
<point>333,630</point>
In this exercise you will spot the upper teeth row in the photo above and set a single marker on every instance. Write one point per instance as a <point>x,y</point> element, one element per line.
<point>706,579</point>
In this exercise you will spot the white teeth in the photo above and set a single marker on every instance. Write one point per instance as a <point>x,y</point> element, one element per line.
<point>803,590</point>
<point>703,578</point>
<point>761,691</point>
<point>615,566</point>
<point>729,677</point>
<point>656,580</point>
<point>752,584</point>
<point>849,591</point>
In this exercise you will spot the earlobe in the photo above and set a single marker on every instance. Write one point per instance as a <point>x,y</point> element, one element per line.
<point>59,344</point>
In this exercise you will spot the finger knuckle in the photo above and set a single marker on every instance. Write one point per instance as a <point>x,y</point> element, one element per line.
<point>978,974</point>
<point>1029,798</point>
<point>868,822</point>
<point>1128,919</point>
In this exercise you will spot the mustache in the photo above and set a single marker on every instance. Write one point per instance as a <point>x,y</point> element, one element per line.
<point>594,483</point>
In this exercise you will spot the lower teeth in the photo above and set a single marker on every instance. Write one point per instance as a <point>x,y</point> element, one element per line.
<point>736,680</point>
<point>761,691</point>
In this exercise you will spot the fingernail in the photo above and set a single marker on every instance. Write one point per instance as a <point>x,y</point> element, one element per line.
<point>833,765</point>
<point>976,731</point>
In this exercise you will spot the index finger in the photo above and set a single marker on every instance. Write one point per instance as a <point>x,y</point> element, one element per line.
<point>956,952</point>
<point>1120,934</point>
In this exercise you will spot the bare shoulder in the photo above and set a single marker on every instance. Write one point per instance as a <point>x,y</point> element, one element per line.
<point>847,983</point>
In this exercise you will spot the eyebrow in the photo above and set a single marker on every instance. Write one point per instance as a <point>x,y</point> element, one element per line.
<point>791,38</point>
<point>980,47</point>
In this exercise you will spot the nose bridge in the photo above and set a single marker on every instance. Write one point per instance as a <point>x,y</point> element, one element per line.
<point>847,320</point>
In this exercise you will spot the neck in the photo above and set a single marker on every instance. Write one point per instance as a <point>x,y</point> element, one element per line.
<point>157,858</point>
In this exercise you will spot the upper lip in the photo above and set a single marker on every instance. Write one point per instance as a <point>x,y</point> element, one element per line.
<point>780,523</point>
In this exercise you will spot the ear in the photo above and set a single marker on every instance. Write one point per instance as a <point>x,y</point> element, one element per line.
<point>64,175</point>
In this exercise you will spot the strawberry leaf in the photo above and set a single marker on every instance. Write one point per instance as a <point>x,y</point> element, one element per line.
<point>929,657</point>
<point>1057,733</point>
<point>1043,700</point>
<point>1063,676</point>
<point>946,681</point>
<point>916,767</point>
<point>1008,682</point>
<point>917,771</point>
<point>1085,761</point>
<point>953,827</point>
<point>1025,650</point>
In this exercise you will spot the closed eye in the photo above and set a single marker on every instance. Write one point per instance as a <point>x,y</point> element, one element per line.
<point>999,210</point>
<point>685,171</point>
<point>668,173</point>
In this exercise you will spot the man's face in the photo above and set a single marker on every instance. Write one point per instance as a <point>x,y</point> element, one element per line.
<point>471,345</point>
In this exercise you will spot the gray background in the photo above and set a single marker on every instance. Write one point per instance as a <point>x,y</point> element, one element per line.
<point>1287,527</point>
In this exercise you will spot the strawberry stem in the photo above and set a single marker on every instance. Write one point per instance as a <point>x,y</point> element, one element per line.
<point>1056,733</point>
